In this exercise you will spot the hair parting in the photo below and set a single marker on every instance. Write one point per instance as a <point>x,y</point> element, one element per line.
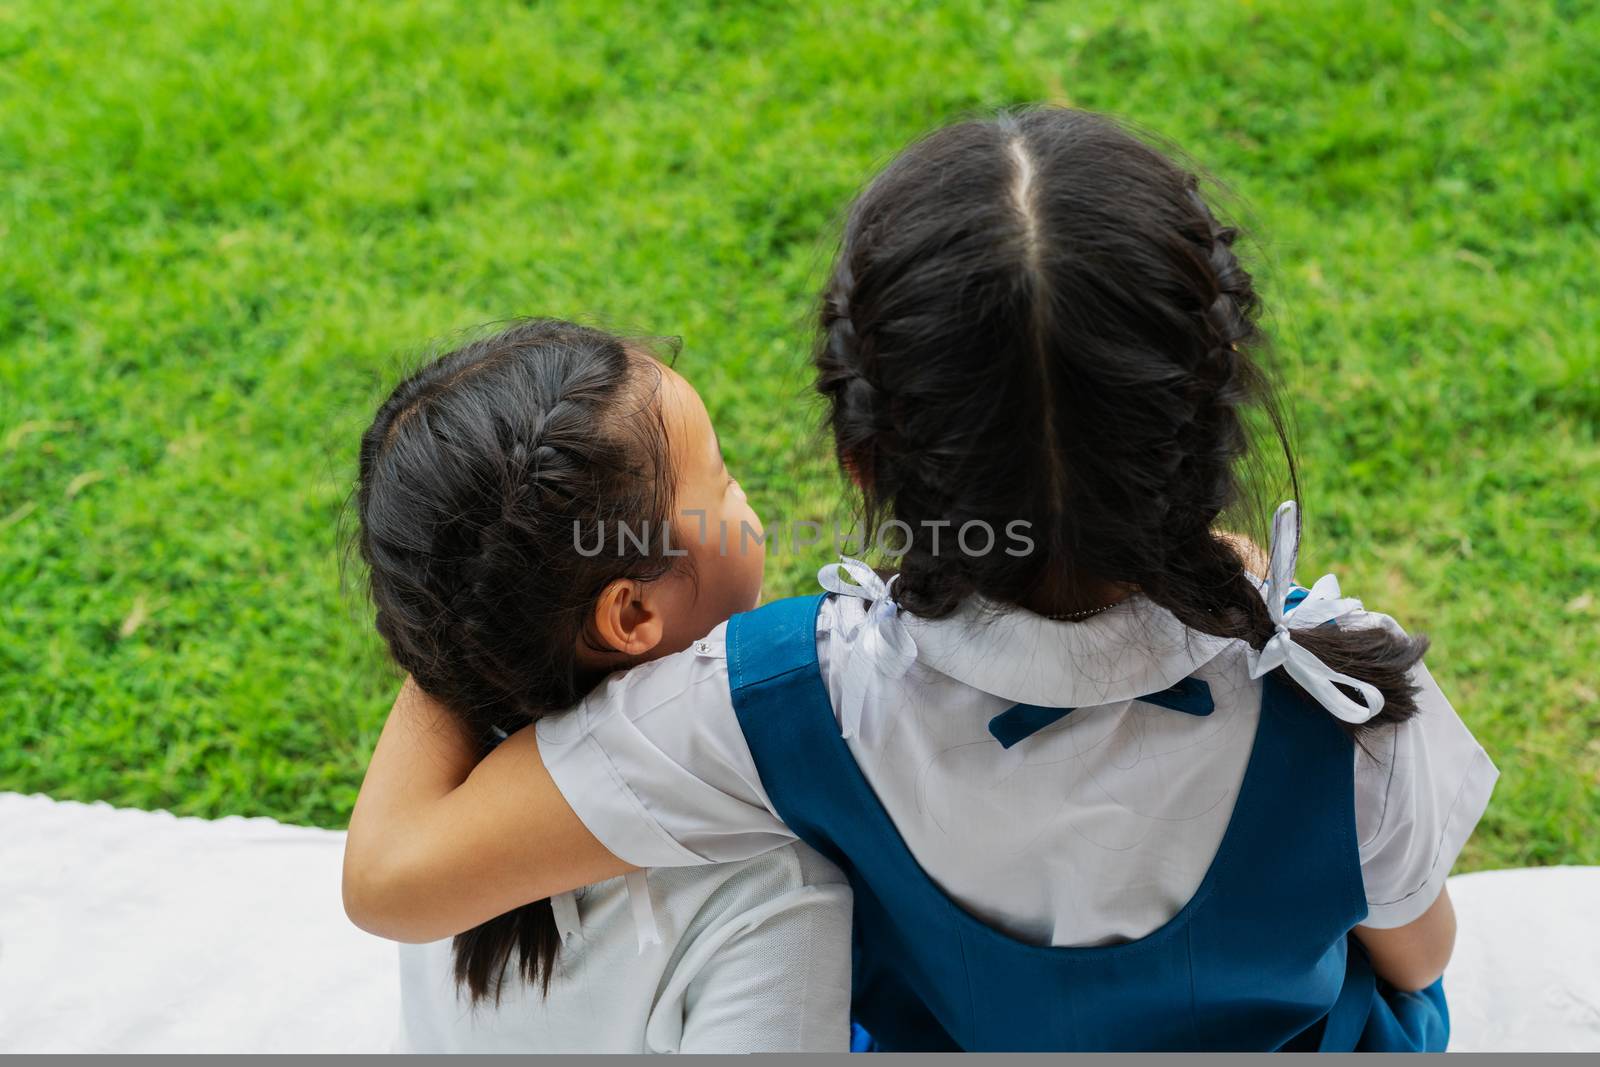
<point>1045,284</point>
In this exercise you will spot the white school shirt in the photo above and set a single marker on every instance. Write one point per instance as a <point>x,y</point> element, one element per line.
<point>1096,829</point>
<point>754,957</point>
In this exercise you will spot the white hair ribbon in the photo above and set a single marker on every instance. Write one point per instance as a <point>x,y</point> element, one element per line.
<point>880,645</point>
<point>564,906</point>
<point>1322,604</point>
<point>644,912</point>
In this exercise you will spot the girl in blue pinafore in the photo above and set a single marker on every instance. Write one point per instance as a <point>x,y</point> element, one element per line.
<point>1101,776</point>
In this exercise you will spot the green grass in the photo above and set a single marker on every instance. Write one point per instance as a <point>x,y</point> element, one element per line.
<point>225,227</point>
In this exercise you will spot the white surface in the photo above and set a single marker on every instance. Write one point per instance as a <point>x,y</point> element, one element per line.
<point>136,931</point>
<point>1095,829</point>
<point>1526,971</point>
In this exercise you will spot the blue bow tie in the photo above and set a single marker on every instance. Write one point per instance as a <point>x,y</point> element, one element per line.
<point>1021,721</point>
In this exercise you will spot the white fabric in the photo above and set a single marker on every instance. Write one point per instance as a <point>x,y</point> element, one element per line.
<point>644,912</point>
<point>1097,829</point>
<point>564,910</point>
<point>755,958</point>
<point>1322,604</point>
<point>888,650</point>
<point>135,931</point>
<point>1526,971</point>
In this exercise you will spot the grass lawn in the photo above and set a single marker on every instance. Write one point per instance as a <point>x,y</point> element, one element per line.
<point>225,227</point>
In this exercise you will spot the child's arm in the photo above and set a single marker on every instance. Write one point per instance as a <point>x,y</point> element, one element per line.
<point>1413,956</point>
<point>437,845</point>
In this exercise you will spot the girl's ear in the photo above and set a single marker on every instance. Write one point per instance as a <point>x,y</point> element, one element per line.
<point>626,619</point>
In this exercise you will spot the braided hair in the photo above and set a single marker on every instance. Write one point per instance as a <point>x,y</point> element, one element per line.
<point>1038,318</point>
<point>475,476</point>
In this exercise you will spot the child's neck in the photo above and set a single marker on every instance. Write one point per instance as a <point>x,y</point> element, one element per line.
<point>1067,594</point>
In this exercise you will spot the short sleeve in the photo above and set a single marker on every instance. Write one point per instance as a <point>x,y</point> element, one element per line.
<point>654,763</point>
<point>1421,788</point>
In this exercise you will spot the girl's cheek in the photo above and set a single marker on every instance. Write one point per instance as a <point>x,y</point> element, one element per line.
<point>754,567</point>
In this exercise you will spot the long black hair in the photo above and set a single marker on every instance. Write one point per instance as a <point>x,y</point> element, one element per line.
<point>474,476</point>
<point>1039,318</point>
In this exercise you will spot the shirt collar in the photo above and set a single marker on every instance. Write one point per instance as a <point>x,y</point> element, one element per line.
<point>1132,650</point>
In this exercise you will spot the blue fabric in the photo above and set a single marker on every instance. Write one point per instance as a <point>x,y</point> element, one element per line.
<point>1260,957</point>
<point>1190,696</point>
<point>1022,721</point>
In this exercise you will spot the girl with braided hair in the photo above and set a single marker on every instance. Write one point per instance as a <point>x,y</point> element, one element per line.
<point>1123,786</point>
<point>491,482</point>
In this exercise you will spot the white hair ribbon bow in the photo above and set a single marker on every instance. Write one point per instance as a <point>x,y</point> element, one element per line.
<point>880,645</point>
<point>1322,604</point>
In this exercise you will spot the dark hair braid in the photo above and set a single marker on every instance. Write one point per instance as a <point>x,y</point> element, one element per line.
<point>474,476</point>
<point>1227,383</point>
<point>911,438</point>
<point>1056,328</point>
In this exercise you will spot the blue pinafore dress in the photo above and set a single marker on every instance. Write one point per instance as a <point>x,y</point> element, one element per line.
<point>1260,958</point>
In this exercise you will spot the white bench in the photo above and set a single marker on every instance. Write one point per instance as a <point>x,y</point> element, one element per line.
<point>135,931</point>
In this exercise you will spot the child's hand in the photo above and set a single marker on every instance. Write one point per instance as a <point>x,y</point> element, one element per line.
<point>437,845</point>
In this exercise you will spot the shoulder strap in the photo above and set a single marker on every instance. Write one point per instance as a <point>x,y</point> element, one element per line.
<point>773,640</point>
<point>812,779</point>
